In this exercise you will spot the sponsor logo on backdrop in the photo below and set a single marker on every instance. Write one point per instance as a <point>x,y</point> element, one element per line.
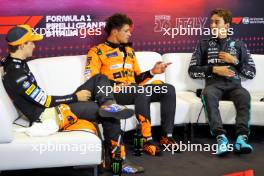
<point>248,20</point>
<point>71,25</point>
<point>182,26</point>
<point>56,25</point>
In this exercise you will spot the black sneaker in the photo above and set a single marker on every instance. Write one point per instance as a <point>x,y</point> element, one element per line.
<point>115,111</point>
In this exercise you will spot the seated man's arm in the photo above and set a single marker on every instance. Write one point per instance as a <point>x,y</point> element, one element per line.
<point>143,77</point>
<point>246,65</point>
<point>198,69</point>
<point>140,78</point>
<point>27,87</point>
<point>93,63</point>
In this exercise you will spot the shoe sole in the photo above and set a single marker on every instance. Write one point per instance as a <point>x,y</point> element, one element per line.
<point>243,151</point>
<point>137,172</point>
<point>141,170</point>
<point>156,154</point>
<point>124,114</point>
<point>223,154</point>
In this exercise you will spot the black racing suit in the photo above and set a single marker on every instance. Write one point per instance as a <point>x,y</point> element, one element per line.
<point>219,87</point>
<point>31,100</point>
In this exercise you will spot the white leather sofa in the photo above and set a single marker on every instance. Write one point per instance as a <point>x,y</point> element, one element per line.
<point>177,75</point>
<point>62,75</point>
<point>146,61</point>
<point>57,76</point>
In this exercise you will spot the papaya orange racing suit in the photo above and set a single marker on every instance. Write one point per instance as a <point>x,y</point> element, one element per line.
<point>119,63</point>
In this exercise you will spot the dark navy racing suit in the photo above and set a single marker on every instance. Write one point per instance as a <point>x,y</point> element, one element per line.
<point>204,58</point>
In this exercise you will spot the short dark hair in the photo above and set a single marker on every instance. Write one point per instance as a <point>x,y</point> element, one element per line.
<point>117,21</point>
<point>226,14</point>
<point>12,49</point>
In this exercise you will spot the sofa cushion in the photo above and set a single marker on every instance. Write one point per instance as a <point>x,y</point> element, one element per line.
<point>59,75</point>
<point>177,72</point>
<point>147,60</point>
<point>8,114</point>
<point>58,150</point>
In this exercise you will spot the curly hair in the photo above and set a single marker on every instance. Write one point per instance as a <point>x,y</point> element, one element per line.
<point>117,21</point>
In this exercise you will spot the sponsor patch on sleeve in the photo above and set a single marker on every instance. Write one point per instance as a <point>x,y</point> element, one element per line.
<point>41,98</point>
<point>22,78</point>
<point>35,93</point>
<point>30,89</point>
<point>26,84</point>
<point>48,101</point>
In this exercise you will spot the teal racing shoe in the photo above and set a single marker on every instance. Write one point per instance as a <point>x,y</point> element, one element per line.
<point>222,148</point>
<point>241,145</point>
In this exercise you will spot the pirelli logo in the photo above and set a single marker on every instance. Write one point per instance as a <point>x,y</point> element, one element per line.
<point>48,101</point>
<point>30,89</point>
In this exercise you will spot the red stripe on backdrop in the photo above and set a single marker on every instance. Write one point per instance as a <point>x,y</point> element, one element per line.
<point>34,20</point>
<point>5,29</point>
<point>14,20</point>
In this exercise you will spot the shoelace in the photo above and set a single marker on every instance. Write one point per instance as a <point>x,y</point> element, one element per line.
<point>244,137</point>
<point>221,139</point>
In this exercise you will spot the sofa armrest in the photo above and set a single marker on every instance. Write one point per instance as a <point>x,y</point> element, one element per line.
<point>8,114</point>
<point>6,133</point>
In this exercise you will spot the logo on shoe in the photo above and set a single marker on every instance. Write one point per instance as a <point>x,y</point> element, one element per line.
<point>70,119</point>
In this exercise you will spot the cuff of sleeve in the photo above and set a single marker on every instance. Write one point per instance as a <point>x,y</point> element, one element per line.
<point>150,73</point>
<point>75,98</point>
<point>210,70</point>
<point>236,62</point>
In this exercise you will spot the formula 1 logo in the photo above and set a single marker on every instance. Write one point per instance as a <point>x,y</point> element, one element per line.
<point>8,22</point>
<point>236,20</point>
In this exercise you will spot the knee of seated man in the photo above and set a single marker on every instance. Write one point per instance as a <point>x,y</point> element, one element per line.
<point>90,108</point>
<point>170,88</point>
<point>243,95</point>
<point>208,93</point>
